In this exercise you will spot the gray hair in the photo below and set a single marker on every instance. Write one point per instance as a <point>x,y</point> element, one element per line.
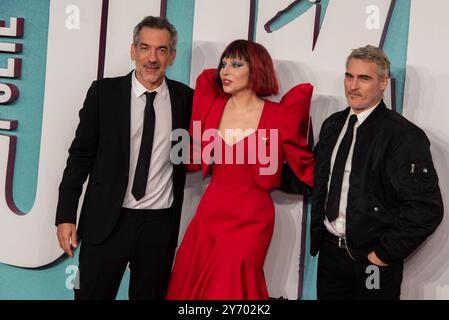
<point>156,23</point>
<point>372,54</point>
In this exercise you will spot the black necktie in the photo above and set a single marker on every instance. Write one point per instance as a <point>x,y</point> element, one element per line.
<point>333,198</point>
<point>146,146</point>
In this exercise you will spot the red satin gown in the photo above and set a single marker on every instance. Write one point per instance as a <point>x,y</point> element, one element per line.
<point>222,254</point>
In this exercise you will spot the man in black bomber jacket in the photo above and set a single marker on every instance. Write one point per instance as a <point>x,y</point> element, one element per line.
<point>376,196</point>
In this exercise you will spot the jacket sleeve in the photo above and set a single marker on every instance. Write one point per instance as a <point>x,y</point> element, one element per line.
<point>205,93</point>
<point>82,154</point>
<point>297,175</point>
<point>413,176</point>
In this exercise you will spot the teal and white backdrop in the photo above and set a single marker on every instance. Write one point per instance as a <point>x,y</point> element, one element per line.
<point>51,51</point>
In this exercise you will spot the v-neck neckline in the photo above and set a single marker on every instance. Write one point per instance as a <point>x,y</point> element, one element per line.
<point>246,136</point>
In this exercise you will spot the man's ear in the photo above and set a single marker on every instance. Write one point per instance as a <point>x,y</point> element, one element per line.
<point>172,57</point>
<point>384,83</point>
<point>133,52</point>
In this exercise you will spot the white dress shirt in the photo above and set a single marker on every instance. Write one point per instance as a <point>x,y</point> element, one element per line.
<point>338,226</point>
<point>159,190</point>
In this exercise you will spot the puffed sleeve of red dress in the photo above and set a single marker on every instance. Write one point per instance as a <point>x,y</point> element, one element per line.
<point>297,172</point>
<point>205,94</point>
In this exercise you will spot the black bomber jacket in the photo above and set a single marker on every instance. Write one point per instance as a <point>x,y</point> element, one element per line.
<point>394,201</point>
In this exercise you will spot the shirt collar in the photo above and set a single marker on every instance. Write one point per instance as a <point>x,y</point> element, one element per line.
<point>139,89</point>
<point>362,116</point>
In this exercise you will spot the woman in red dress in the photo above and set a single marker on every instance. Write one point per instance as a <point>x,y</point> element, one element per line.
<point>244,141</point>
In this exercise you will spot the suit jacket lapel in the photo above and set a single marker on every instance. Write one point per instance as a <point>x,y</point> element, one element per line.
<point>375,116</point>
<point>176,103</point>
<point>335,128</point>
<point>124,114</point>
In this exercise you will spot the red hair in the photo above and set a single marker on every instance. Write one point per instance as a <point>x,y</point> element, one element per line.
<point>262,77</point>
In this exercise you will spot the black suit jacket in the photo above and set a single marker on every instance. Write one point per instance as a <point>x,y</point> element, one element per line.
<point>394,202</point>
<point>100,150</point>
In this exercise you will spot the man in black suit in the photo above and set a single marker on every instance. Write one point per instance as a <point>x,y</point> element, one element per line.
<point>376,196</point>
<point>131,209</point>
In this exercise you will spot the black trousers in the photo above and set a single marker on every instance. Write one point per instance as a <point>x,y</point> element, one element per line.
<point>341,278</point>
<point>146,239</point>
